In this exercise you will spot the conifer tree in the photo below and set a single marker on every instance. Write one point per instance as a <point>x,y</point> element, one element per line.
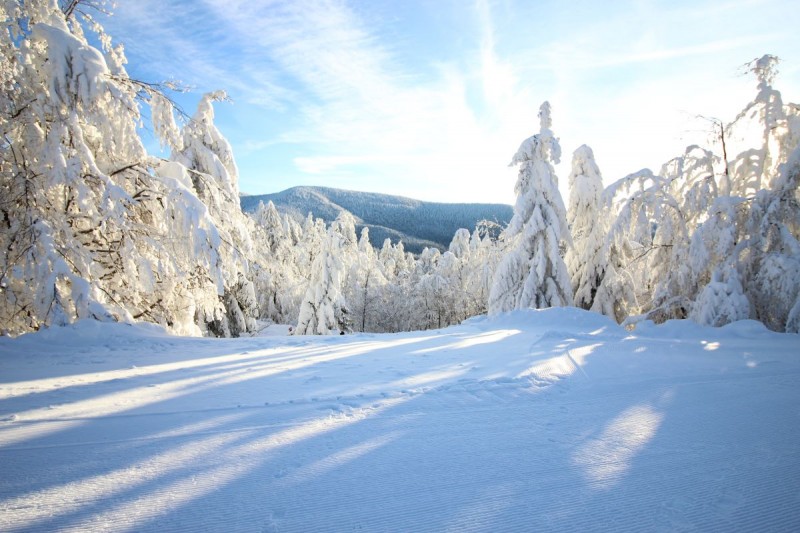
<point>533,273</point>
<point>584,260</point>
<point>324,310</point>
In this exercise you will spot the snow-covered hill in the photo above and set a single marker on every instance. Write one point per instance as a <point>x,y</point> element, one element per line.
<point>418,224</point>
<point>555,420</point>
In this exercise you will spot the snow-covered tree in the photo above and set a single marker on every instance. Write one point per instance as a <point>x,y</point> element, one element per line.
<point>81,207</point>
<point>646,271</point>
<point>747,242</point>
<point>434,296</point>
<point>692,181</point>
<point>771,260</point>
<point>585,262</point>
<point>207,157</point>
<point>364,286</point>
<point>714,241</point>
<point>763,135</point>
<point>722,300</point>
<point>533,273</point>
<point>484,260</point>
<point>324,310</point>
<point>276,276</point>
<point>94,226</point>
<point>206,151</point>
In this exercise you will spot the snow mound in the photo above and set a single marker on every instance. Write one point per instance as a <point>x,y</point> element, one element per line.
<point>92,332</point>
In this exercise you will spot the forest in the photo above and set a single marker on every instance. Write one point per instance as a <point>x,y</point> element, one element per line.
<point>419,224</point>
<point>92,226</point>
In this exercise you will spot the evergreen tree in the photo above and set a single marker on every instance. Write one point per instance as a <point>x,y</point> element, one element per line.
<point>533,274</point>
<point>364,286</point>
<point>722,300</point>
<point>584,260</point>
<point>324,310</point>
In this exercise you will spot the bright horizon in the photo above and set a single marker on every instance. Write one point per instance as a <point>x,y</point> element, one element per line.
<point>430,99</point>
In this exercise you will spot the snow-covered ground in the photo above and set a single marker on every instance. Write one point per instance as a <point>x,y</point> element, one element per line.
<point>554,420</point>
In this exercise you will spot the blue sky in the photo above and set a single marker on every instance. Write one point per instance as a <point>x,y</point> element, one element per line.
<point>431,98</point>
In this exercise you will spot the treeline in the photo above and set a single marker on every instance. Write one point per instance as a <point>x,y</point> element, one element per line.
<point>92,226</point>
<point>418,224</point>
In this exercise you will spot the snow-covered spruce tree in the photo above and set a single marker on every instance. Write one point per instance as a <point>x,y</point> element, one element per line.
<point>268,220</point>
<point>533,274</point>
<point>584,260</point>
<point>274,277</point>
<point>324,310</point>
<point>722,300</point>
<point>364,286</point>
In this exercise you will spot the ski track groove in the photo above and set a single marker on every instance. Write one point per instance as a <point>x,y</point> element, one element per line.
<point>535,470</point>
<point>744,488</point>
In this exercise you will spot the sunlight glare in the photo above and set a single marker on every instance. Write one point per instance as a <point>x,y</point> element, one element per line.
<point>475,340</point>
<point>606,458</point>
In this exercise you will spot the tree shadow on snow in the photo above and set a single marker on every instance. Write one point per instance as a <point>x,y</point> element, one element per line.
<point>557,432</point>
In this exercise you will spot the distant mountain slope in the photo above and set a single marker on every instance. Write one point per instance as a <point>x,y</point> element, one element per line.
<point>418,224</point>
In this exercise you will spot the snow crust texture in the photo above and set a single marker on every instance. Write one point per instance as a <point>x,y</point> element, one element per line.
<point>553,420</point>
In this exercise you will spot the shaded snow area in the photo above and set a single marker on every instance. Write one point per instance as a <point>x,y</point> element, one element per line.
<point>555,420</point>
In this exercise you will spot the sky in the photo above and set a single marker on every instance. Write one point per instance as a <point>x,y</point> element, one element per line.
<point>430,98</point>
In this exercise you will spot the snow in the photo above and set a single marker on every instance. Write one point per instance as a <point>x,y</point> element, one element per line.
<point>75,68</point>
<point>552,420</point>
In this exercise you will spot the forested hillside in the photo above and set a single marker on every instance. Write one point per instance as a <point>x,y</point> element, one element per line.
<point>418,224</point>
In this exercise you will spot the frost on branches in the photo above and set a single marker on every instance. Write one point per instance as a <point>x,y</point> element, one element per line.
<point>92,226</point>
<point>72,166</point>
<point>715,237</point>
<point>533,274</point>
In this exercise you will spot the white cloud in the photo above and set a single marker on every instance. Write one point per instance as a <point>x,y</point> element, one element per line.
<point>335,84</point>
<point>362,108</point>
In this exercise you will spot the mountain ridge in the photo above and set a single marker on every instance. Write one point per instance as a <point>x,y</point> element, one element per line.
<point>417,223</point>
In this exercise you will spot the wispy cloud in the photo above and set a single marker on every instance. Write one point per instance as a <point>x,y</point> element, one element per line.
<point>360,106</point>
<point>361,95</point>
